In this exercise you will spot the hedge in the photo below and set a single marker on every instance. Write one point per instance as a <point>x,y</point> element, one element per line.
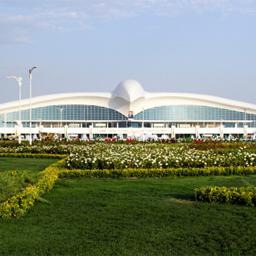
<point>233,195</point>
<point>19,204</point>
<point>224,171</point>
<point>31,155</point>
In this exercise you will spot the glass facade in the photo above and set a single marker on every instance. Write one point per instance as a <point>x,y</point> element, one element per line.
<point>172,113</point>
<point>194,113</point>
<point>64,112</point>
<point>1,120</point>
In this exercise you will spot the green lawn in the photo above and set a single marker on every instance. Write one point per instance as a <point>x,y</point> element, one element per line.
<point>28,164</point>
<point>132,217</point>
<point>17,173</point>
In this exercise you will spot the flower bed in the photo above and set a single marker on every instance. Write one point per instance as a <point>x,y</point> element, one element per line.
<point>147,156</point>
<point>233,195</point>
<point>38,149</point>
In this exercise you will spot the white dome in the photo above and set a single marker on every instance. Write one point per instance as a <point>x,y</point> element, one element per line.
<point>129,90</point>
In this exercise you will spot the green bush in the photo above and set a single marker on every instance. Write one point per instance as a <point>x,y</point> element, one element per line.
<point>11,182</point>
<point>30,155</point>
<point>115,173</point>
<point>233,195</point>
<point>222,146</point>
<point>10,143</point>
<point>19,204</point>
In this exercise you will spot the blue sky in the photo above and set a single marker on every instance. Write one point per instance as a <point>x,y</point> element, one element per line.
<point>198,46</point>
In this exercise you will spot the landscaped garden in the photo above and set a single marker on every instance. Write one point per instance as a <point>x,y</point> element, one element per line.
<point>128,199</point>
<point>17,173</point>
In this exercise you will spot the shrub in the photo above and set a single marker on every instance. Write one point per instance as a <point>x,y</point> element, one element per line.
<point>233,195</point>
<point>117,173</point>
<point>11,182</point>
<point>19,204</point>
<point>30,155</point>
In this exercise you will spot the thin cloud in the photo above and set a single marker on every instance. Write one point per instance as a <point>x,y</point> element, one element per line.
<point>20,18</point>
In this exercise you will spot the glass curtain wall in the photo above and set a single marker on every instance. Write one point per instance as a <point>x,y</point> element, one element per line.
<point>193,113</point>
<point>65,113</point>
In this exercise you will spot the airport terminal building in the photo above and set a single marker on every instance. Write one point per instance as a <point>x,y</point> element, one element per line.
<point>128,111</point>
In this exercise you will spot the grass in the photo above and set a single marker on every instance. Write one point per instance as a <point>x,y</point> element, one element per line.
<point>28,164</point>
<point>132,217</point>
<point>16,173</point>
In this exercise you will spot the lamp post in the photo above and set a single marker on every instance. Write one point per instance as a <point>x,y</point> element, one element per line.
<point>19,81</point>
<point>245,125</point>
<point>30,103</point>
<point>143,118</point>
<point>61,115</point>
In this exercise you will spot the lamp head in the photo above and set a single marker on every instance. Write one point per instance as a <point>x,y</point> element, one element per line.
<point>17,78</point>
<point>31,69</point>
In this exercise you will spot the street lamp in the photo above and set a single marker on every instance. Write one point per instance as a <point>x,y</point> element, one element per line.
<point>19,81</point>
<point>143,117</point>
<point>60,124</point>
<point>30,103</point>
<point>61,115</point>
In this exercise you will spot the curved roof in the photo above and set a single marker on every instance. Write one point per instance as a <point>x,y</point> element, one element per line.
<point>100,99</point>
<point>129,95</point>
<point>160,99</point>
<point>129,90</point>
